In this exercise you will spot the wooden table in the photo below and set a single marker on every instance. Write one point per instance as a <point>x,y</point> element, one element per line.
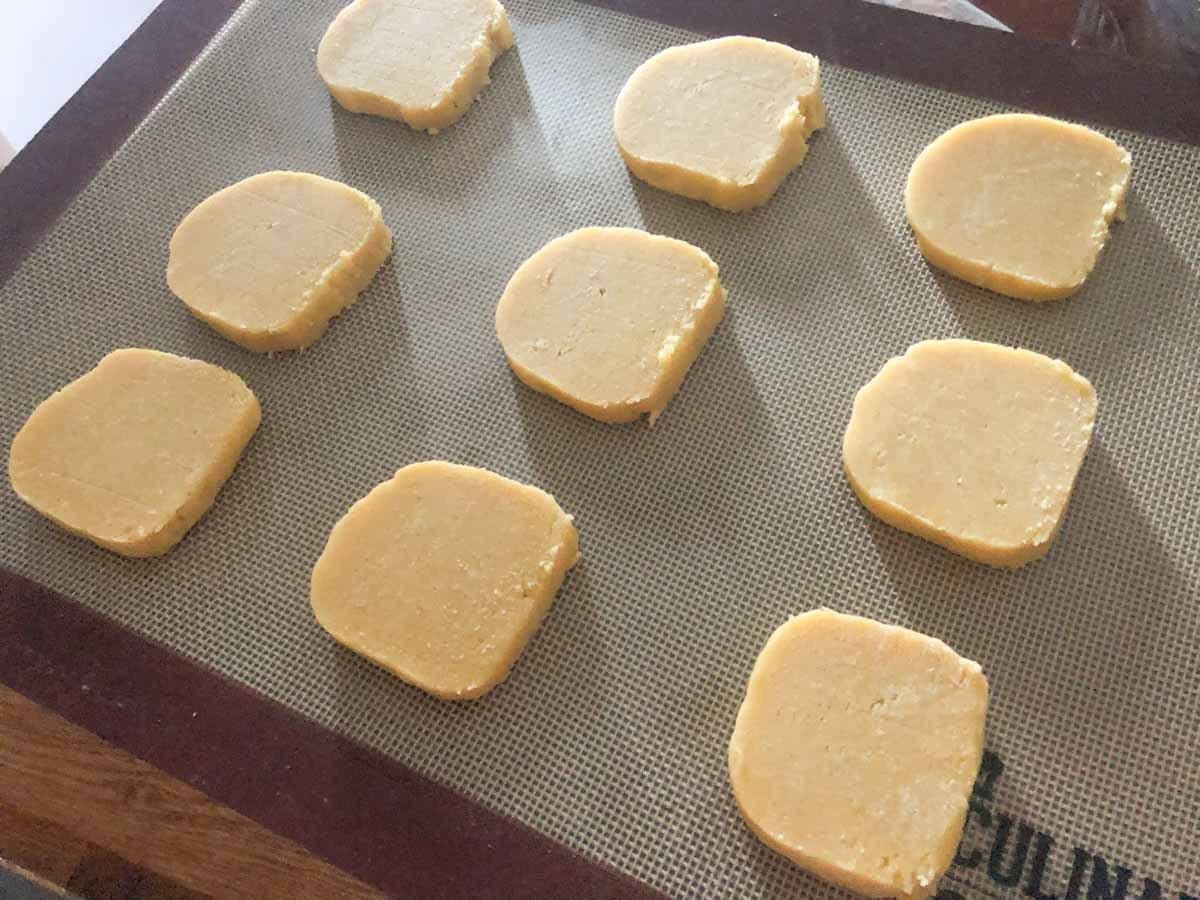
<point>84,815</point>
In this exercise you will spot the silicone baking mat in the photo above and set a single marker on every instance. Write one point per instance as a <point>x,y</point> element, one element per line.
<point>699,535</point>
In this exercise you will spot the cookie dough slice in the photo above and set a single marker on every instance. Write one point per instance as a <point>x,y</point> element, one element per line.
<point>443,574</point>
<point>609,320</point>
<point>723,121</point>
<point>269,261</point>
<point>855,750</point>
<point>423,64</point>
<point>972,446</point>
<point>132,454</point>
<point>1017,204</point>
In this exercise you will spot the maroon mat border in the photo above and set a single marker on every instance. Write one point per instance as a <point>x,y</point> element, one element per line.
<point>395,829</point>
<point>371,816</point>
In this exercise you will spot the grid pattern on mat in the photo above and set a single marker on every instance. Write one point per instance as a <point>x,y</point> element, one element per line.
<point>700,535</point>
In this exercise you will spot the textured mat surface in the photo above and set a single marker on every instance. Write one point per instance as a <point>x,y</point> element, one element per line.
<point>700,535</point>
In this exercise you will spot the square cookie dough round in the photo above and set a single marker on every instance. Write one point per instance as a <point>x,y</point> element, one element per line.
<point>423,63</point>
<point>609,320</point>
<point>270,260</point>
<point>1017,204</point>
<point>442,574</point>
<point>723,121</point>
<point>855,750</point>
<point>972,446</point>
<point>133,453</point>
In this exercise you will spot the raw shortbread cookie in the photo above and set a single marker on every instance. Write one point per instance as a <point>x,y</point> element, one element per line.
<point>972,446</point>
<point>132,454</point>
<point>442,575</point>
<point>423,64</point>
<point>723,121</point>
<point>608,320</point>
<point>1017,204</point>
<point>270,260</point>
<point>855,750</point>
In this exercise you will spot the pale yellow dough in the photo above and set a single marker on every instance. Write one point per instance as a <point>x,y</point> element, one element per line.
<point>609,320</point>
<point>269,261</point>
<point>723,121</point>
<point>443,574</point>
<point>855,750</point>
<point>133,453</point>
<point>421,63</point>
<point>1017,204</point>
<point>972,446</point>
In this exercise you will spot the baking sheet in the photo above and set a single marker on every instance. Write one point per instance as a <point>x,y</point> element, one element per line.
<point>700,535</point>
<point>959,10</point>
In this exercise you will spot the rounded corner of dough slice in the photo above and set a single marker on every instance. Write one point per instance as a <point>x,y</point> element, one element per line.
<point>1018,204</point>
<point>723,121</point>
<point>609,320</point>
<point>442,574</point>
<point>133,453</point>
<point>270,260</point>
<point>855,750</point>
<point>973,446</point>
<point>423,65</point>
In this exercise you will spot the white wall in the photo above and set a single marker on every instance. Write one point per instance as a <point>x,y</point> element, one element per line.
<point>48,48</point>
